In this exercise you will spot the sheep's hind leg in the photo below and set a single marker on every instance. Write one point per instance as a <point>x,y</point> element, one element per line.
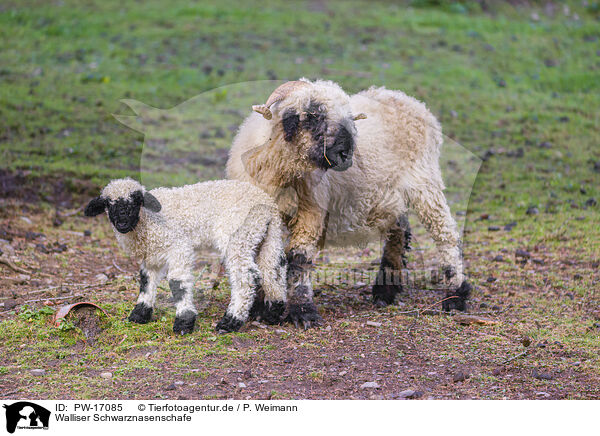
<point>389,279</point>
<point>244,283</point>
<point>142,313</point>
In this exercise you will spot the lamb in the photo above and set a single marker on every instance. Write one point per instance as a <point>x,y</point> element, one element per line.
<point>165,227</point>
<point>350,179</point>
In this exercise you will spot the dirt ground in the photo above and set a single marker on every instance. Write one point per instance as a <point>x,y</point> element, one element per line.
<point>514,346</point>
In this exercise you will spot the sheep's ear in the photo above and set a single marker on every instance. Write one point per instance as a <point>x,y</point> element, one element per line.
<point>290,122</point>
<point>151,202</point>
<point>95,207</point>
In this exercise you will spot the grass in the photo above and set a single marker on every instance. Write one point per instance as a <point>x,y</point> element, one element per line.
<point>516,87</point>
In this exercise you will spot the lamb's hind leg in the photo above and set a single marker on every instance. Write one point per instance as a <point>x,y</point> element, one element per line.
<point>181,283</point>
<point>244,279</point>
<point>149,279</point>
<point>389,278</point>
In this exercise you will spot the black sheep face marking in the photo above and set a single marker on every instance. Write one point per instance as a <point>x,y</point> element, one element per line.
<point>124,213</point>
<point>333,148</point>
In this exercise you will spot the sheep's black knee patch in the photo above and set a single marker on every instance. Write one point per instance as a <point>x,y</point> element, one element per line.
<point>229,324</point>
<point>143,281</point>
<point>184,323</point>
<point>177,290</point>
<point>141,314</point>
<point>459,298</point>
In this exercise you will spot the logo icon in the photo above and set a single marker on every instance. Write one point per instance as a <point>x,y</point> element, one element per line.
<point>26,415</point>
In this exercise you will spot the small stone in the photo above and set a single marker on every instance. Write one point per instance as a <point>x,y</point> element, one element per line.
<point>101,278</point>
<point>26,220</point>
<point>171,387</point>
<point>522,253</point>
<point>373,324</point>
<point>370,385</point>
<point>545,144</point>
<point>542,394</point>
<point>408,393</point>
<point>460,376</point>
<point>526,341</point>
<point>491,279</point>
<point>591,202</point>
<point>241,385</point>
<point>498,258</point>
<point>38,372</point>
<point>106,375</point>
<point>510,226</point>
<point>328,328</point>
<point>342,373</point>
<point>288,360</point>
<point>532,210</point>
<point>179,383</point>
<point>493,228</point>
<point>542,375</point>
<point>280,332</point>
<point>87,233</point>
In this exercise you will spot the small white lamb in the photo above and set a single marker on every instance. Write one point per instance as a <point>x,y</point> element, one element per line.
<point>164,227</point>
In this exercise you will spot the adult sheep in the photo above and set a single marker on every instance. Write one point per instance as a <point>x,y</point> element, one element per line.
<point>350,179</point>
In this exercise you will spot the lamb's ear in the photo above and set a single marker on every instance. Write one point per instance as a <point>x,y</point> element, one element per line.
<point>95,207</point>
<point>290,122</point>
<point>151,202</point>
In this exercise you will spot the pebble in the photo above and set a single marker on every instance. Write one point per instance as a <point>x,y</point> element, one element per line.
<point>522,253</point>
<point>101,278</point>
<point>27,220</point>
<point>179,383</point>
<point>281,332</point>
<point>38,372</point>
<point>370,385</point>
<point>106,375</point>
<point>460,376</point>
<point>408,393</point>
<point>241,385</point>
<point>498,258</point>
<point>342,373</point>
<point>493,228</point>
<point>542,394</point>
<point>373,324</point>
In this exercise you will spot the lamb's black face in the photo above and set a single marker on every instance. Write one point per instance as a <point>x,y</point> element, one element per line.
<point>124,213</point>
<point>338,142</point>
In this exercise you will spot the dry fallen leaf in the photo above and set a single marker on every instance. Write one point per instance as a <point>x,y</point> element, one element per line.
<point>470,320</point>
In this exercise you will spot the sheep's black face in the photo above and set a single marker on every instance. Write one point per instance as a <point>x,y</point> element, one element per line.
<point>124,213</point>
<point>333,144</point>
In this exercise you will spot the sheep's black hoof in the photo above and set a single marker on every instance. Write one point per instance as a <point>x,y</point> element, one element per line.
<point>305,313</point>
<point>457,300</point>
<point>384,295</point>
<point>229,324</point>
<point>184,323</point>
<point>272,312</point>
<point>141,314</point>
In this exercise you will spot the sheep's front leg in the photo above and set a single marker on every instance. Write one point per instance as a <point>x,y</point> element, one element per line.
<point>149,279</point>
<point>432,209</point>
<point>306,230</point>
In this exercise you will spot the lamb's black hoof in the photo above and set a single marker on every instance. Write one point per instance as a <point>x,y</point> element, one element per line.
<point>272,312</point>
<point>305,313</point>
<point>229,324</point>
<point>384,295</point>
<point>141,314</point>
<point>457,300</point>
<point>184,323</point>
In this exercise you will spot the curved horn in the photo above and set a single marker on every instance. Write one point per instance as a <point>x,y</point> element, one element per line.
<point>279,94</point>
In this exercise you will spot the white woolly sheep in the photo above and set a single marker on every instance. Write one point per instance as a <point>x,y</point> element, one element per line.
<point>164,227</point>
<point>381,166</point>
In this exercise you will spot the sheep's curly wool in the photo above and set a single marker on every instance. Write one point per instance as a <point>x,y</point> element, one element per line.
<point>237,219</point>
<point>395,167</point>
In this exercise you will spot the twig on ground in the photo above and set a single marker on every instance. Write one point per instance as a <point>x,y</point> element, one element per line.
<point>515,357</point>
<point>118,267</point>
<point>54,298</point>
<point>72,212</point>
<point>14,267</point>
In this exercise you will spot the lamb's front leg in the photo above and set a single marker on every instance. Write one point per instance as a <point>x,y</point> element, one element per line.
<point>432,209</point>
<point>149,279</point>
